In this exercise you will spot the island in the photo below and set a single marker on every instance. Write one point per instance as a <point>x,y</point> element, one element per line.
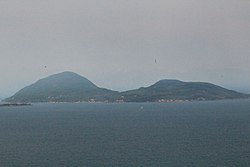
<point>71,87</point>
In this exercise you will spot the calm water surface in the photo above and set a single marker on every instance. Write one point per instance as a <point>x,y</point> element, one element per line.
<point>188,134</point>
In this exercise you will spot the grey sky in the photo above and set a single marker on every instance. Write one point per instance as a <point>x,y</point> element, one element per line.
<point>114,43</point>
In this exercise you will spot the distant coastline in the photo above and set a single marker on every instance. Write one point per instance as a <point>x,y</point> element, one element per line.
<point>14,104</point>
<point>71,87</point>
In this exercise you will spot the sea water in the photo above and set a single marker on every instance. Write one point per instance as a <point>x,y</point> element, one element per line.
<point>183,134</point>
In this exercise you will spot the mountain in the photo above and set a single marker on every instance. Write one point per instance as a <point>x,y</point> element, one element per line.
<point>62,87</point>
<point>71,87</point>
<point>174,90</point>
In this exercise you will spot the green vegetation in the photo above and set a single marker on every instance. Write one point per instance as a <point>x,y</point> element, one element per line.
<point>174,90</point>
<point>71,87</point>
<point>63,87</point>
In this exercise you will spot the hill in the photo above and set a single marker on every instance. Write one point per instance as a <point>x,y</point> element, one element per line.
<point>174,90</point>
<point>71,87</point>
<point>62,87</point>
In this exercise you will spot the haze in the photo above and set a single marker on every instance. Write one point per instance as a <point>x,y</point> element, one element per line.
<point>123,44</point>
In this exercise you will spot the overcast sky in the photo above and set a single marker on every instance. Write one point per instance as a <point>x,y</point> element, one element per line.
<point>124,44</point>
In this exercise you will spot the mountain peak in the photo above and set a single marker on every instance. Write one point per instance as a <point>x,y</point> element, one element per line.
<point>66,80</point>
<point>65,74</point>
<point>65,86</point>
<point>169,81</point>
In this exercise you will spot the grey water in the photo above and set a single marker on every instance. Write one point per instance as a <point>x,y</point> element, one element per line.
<point>184,134</point>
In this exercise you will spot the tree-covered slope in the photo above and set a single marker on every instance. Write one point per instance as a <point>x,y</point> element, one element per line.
<point>62,87</point>
<point>71,87</point>
<point>168,90</point>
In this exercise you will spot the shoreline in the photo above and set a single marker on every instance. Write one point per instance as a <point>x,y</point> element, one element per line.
<point>14,104</point>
